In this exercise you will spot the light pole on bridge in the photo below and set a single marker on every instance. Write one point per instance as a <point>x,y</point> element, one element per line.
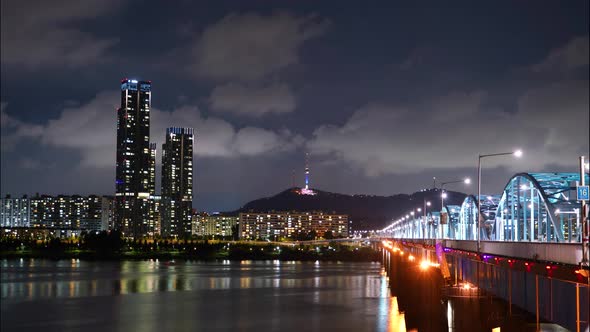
<point>516,153</point>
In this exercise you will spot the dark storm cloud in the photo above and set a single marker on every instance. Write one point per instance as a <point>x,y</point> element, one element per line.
<point>253,100</point>
<point>38,33</point>
<point>244,50</point>
<point>250,46</point>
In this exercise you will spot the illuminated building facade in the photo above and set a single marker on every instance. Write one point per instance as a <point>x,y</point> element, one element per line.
<point>15,212</point>
<point>214,225</point>
<point>154,225</point>
<point>152,170</point>
<point>43,211</point>
<point>177,182</point>
<point>276,225</point>
<point>69,212</point>
<point>107,219</point>
<point>134,159</point>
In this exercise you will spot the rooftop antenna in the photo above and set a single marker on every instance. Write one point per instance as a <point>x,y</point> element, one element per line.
<point>306,171</point>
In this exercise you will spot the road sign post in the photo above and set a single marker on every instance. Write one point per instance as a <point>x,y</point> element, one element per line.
<point>583,193</point>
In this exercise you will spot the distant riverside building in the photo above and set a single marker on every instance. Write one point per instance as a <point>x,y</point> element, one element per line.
<point>214,225</point>
<point>135,176</point>
<point>43,211</point>
<point>274,225</point>
<point>107,219</point>
<point>152,170</point>
<point>15,212</point>
<point>87,213</point>
<point>154,226</point>
<point>177,182</point>
<point>65,212</point>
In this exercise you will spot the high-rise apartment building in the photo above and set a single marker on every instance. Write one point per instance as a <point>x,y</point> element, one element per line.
<point>43,211</point>
<point>214,224</point>
<point>15,212</point>
<point>155,216</point>
<point>80,213</point>
<point>107,219</point>
<point>276,225</point>
<point>152,170</point>
<point>134,159</point>
<point>68,212</point>
<point>177,182</point>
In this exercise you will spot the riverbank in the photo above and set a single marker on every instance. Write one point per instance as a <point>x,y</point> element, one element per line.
<point>199,251</point>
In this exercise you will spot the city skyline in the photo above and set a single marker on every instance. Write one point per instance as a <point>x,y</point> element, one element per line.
<point>294,165</point>
<point>381,107</point>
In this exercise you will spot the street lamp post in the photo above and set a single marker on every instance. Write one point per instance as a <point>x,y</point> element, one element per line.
<point>518,154</point>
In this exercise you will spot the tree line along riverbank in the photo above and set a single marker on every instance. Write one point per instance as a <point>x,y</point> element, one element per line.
<point>111,246</point>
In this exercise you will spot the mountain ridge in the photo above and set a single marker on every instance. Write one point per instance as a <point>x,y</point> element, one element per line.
<point>364,211</point>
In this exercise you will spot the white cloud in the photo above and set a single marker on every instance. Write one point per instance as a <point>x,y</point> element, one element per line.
<point>551,126</point>
<point>90,130</point>
<point>13,129</point>
<point>37,33</point>
<point>251,141</point>
<point>250,46</point>
<point>562,111</point>
<point>572,55</point>
<point>252,100</point>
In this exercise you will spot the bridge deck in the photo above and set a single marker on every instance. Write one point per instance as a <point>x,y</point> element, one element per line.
<point>564,253</point>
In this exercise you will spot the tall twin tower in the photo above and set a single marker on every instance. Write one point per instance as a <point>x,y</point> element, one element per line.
<point>136,203</point>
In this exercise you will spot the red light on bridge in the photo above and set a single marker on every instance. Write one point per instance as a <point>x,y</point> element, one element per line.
<point>548,267</point>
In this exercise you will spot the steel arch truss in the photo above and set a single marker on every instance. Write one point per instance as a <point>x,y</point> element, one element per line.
<point>539,207</point>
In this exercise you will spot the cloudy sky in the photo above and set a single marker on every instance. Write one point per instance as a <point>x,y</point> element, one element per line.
<point>384,98</point>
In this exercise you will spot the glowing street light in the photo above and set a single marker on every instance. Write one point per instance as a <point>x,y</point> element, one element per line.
<point>516,153</point>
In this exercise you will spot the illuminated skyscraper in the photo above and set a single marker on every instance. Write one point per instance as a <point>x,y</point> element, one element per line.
<point>133,173</point>
<point>177,182</point>
<point>152,166</point>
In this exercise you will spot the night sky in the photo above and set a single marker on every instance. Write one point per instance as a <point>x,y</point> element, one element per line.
<point>382,97</point>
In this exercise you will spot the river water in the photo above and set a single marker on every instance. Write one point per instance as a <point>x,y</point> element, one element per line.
<point>74,295</point>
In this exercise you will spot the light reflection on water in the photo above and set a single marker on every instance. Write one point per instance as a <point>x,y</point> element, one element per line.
<point>150,276</point>
<point>269,294</point>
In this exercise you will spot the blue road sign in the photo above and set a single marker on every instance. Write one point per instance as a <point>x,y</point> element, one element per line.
<point>583,194</point>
